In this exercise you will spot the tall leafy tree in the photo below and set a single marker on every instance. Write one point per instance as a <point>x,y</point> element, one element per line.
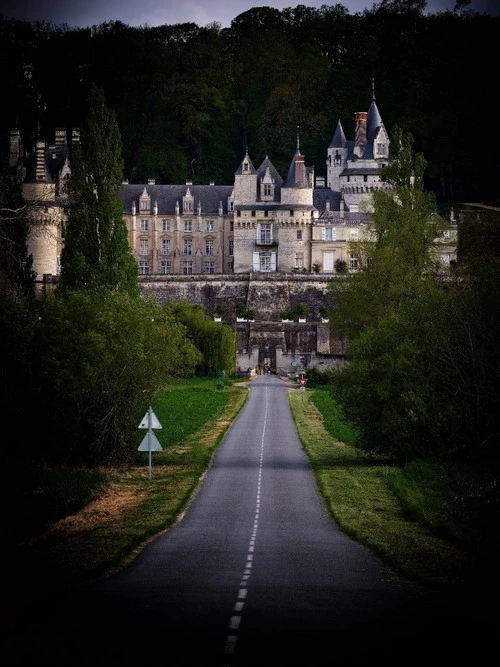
<point>396,261</point>
<point>96,251</point>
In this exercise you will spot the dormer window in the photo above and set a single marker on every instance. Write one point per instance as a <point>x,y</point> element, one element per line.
<point>267,190</point>
<point>144,201</point>
<point>188,202</point>
<point>381,149</point>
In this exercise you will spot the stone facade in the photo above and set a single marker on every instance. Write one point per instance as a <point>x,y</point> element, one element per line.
<point>266,242</point>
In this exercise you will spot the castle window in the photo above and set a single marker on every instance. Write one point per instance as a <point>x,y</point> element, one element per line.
<point>299,260</point>
<point>188,247</point>
<point>165,246</point>
<point>188,225</point>
<point>209,247</point>
<point>328,234</point>
<point>209,267</point>
<point>266,214</point>
<point>165,225</point>
<point>166,267</point>
<point>144,205</point>
<point>253,214</point>
<point>238,214</point>
<point>291,214</point>
<point>144,225</point>
<point>380,149</point>
<point>143,247</point>
<point>267,190</point>
<point>265,261</point>
<point>365,178</point>
<point>328,261</point>
<point>144,267</point>
<point>231,246</point>
<point>354,234</point>
<point>187,268</point>
<point>231,225</point>
<point>266,233</point>
<point>353,262</point>
<point>299,235</point>
<point>210,226</point>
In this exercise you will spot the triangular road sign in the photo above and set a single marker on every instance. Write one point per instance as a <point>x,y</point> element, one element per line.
<point>154,420</point>
<point>150,444</point>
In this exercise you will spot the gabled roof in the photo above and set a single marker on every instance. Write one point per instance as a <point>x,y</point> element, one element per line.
<point>267,164</point>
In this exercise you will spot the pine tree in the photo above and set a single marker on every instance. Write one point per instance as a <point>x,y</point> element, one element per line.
<point>96,253</point>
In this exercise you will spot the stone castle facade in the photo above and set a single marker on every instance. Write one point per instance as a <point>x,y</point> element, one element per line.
<point>265,229</point>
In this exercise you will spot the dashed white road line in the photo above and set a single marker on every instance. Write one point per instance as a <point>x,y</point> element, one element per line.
<point>235,619</point>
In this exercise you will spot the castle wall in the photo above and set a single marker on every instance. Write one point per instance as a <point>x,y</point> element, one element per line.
<point>268,339</point>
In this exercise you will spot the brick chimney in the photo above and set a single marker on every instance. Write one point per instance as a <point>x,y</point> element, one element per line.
<point>300,170</point>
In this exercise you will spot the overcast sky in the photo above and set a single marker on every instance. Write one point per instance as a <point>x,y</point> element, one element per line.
<point>84,13</point>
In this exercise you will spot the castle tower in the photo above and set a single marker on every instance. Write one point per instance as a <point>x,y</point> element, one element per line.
<point>337,154</point>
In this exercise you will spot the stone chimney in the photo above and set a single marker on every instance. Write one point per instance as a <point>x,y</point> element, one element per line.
<point>341,205</point>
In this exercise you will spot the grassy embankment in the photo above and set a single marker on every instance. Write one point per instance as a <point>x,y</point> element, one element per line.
<point>435,524</point>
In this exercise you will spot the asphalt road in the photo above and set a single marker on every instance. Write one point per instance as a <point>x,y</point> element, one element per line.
<point>255,574</point>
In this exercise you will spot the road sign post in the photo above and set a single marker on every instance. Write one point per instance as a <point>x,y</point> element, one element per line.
<point>150,441</point>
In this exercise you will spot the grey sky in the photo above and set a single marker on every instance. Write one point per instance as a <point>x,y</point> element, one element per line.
<point>84,13</point>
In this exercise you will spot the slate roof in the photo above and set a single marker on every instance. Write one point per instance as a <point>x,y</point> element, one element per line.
<point>373,124</point>
<point>167,196</point>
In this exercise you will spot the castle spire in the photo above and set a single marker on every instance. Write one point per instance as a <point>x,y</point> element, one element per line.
<point>373,88</point>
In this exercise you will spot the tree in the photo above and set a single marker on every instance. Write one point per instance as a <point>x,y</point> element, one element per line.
<point>215,341</point>
<point>99,359</point>
<point>15,262</point>
<point>395,261</point>
<point>96,251</point>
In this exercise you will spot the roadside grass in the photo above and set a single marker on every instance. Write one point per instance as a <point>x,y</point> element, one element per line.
<point>428,521</point>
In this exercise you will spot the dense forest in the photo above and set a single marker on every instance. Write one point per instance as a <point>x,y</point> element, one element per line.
<point>189,100</point>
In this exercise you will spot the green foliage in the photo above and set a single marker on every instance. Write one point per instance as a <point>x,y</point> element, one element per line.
<point>96,250</point>
<point>215,340</point>
<point>15,263</point>
<point>397,256</point>
<point>299,310</point>
<point>341,267</point>
<point>99,356</point>
<point>456,501</point>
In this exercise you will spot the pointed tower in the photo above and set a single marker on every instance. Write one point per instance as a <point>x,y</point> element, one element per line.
<point>337,154</point>
<point>298,186</point>
<point>361,175</point>
<point>245,182</point>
